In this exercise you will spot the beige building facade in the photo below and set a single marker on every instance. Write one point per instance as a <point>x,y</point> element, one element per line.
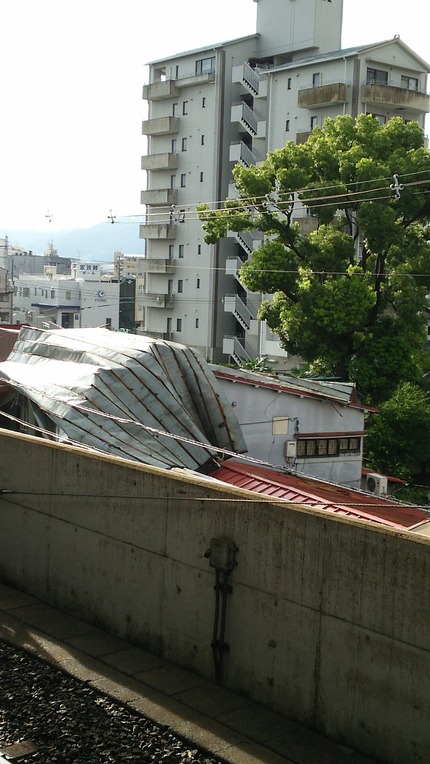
<point>234,102</point>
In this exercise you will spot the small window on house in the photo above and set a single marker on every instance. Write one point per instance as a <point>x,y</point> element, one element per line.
<point>204,102</point>
<point>205,65</point>
<point>411,83</point>
<point>185,107</point>
<point>202,140</point>
<point>201,177</point>
<point>198,284</point>
<point>314,122</point>
<point>171,251</point>
<point>197,323</point>
<point>183,180</point>
<point>184,144</point>
<point>175,109</point>
<point>199,249</point>
<point>176,72</point>
<point>179,324</point>
<point>173,181</point>
<point>289,83</point>
<point>316,79</point>
<point>376,76</point>
<point>52,294</point>
<point>180,286</point>
<point>68,294</point>
<point>173,145</point>
<point>181,250</point>
<point>287,125</point>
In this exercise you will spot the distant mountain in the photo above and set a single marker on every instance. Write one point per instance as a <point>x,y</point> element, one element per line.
<point>99,242</point>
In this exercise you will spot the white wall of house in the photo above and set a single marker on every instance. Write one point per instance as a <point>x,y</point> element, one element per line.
<point>310,431</point>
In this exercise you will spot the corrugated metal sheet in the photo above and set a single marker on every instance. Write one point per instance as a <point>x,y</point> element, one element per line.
<point>124,394</point>
<point>325,496</point>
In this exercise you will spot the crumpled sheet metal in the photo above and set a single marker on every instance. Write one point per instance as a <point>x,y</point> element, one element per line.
<point>104,390</point>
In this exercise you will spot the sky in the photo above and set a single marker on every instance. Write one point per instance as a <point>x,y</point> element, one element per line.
<point>71,93</point>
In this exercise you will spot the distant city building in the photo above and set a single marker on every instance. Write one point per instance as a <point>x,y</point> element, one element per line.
<point>211,108</point>
<point>18,261</point>
<point>6,298</point>
<point>79,300</point>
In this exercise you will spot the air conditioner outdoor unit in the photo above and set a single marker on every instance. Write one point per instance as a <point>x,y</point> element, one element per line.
<point>377,484</point>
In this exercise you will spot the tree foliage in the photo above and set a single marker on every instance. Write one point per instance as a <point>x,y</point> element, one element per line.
<point>350,296</point>
<point>398,436</point>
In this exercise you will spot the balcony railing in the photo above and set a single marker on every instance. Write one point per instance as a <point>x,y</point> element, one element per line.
<point>402,98</point>
<point>242,113</point>
<point>233,304</point>
<point>240,152</point>
<point>164,161</point>
<point>159,196</point>
<point>160,126</point>
<point>155,300</point>
<point>323,95</point>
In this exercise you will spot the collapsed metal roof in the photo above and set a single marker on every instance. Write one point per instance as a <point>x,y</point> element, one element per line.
<point>127,395</point>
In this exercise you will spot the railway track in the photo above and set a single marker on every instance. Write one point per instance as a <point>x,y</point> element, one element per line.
<point>49,717</point>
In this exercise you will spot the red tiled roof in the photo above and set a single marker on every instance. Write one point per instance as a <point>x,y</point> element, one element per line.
<point>314,493</point>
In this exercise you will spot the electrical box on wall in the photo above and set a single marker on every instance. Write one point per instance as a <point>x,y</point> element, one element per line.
<point>290,449</point>
<point>221,554</point>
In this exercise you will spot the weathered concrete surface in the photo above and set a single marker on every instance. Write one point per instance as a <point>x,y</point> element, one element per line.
<point>328,620</point>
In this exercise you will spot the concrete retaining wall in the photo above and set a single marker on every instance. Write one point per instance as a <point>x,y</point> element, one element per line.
<point>328,621</point>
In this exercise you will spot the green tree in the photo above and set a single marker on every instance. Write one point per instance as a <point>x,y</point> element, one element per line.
<point>350,297</point>
<point>398,436</point>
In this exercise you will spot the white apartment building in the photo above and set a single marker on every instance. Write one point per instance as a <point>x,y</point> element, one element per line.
<point>234,102</point>
<point>83,299</point>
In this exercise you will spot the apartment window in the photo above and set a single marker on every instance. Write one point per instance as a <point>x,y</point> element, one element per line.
<point>410,83</point>
<point>289,83</point>
<point>376,76</point>
<point>201,177</point>
<point>173,181</point>
<point>169,326</point>
<point>314,122</point>
<point>184,107</point>
<point>381,118</point>
<point>202,140</point>
<point>205,65</point>
<point>199,249</point>
<point>327,447</point>
<point>173,145</point>
<point>287,125</point>
<point>180,286</point>
<point>170,286</point>
<point>181,250</point>
<point>183,180</point>
<point>197,323</point>
<point>198,284</point>
<point>184,144</point>
<point>52,294</point>
<point>204,102</point>
<point>176,72</point>
<point>316,79</point>
<point>175,109</point>
<point>68,294</point>
<point>26,291</point>
<point>179,324</point>
<point>171,251</point>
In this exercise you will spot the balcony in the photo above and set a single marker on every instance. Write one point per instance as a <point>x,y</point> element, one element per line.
<point>151,265</point>
<point>160,126</point>
<point>195,79</point>
<point>156,91</point>
<point>233,266</point>
<point>158,196</point>
<point>164,161</point>
<point>241,153</point>
<point>323,95</point>
<point>242,113</point>
<point>389,96</point>
<point>302,135</point>
<point>154,300</point>
<point>157,231</point>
